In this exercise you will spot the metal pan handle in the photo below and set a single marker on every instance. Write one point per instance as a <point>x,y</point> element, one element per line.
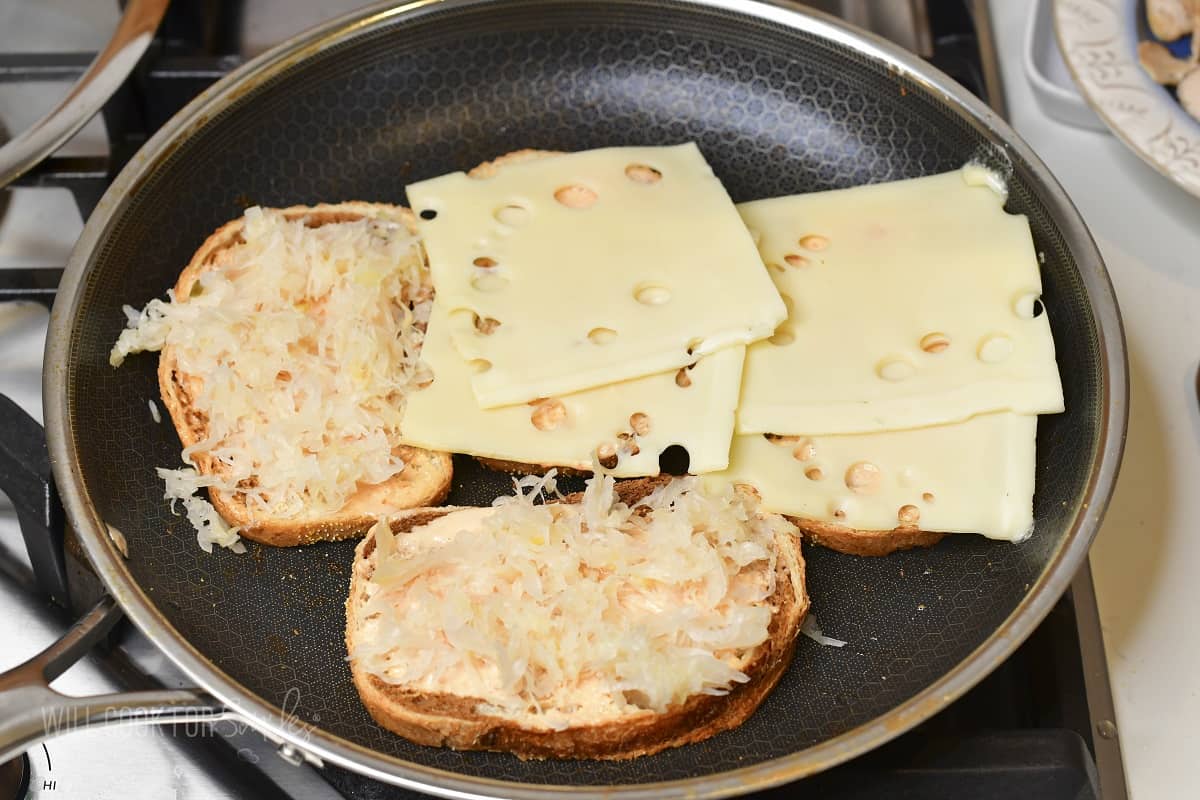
<point>30,711</point>
<point>26,477</point>
<point>103,77</point>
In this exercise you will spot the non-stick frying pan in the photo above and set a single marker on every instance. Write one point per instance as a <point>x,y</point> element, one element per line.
<point>780,101</point>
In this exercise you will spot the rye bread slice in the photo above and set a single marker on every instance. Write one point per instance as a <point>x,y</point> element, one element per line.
<point>425,480</point>
<point>447,720</point>
<point>859,542</point>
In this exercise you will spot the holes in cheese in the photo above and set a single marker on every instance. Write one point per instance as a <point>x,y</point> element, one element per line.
<point>995,349</point>
<point>777,439</point>
<point>486,325</point>
<point>643,173</point>
<point>548,415</point>
<point>652,294</point>
<point>675,460</point>
<point>796,260</point>
<point>913,277</point>
<point>632,237</point>
<point>863,477</point>
<point>489,282</point>
<point>576,196</point>
<point>428,214</point>
<point>920,477</point>
<point>606,455</point>
<point>784,335</point>
<point>484,262</point>
<point>640,418</point>
<point>514,215</point>
<point>895,369</point>
<point>935,342</point>
<point>1028,305</point>
<point>602,336</point>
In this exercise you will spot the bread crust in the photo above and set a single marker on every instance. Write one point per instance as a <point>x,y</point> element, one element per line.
<point>859,542</point>
<point>426,478</point>
<point>521,468</point>
<point>443,720</point>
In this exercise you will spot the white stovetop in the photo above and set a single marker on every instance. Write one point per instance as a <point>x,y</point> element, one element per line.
<point>1147,555</point>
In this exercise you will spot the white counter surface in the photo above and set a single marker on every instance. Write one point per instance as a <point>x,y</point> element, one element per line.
<point>1146,560</point>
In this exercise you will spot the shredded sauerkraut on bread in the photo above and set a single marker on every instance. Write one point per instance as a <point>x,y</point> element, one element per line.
<point>296,345</point>
<point>559,614</point>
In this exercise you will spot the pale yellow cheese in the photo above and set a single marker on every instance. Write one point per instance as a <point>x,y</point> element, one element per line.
<point>910,304</point>
<point>968,477</point>
<point>655,272</point>
<point>698,416</point>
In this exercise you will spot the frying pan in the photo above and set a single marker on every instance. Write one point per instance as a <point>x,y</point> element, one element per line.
<point>781,100</point>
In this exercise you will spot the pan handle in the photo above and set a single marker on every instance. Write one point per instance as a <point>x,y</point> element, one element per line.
<point>30,711</point>
<point>26,477</point>
<point>103,77</point>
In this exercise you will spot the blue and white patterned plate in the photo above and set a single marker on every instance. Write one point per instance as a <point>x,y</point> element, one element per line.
<point>1099,39</point>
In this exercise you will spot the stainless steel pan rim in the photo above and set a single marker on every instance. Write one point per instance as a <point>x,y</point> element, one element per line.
<point>331,749</point>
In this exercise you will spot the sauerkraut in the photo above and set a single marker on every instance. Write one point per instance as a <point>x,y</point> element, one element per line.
<point>299,346</point>
<point>564,614</point>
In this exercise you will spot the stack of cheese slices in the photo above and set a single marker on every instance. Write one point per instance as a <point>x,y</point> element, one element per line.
<point>863,365</point>
<point>870,360</point>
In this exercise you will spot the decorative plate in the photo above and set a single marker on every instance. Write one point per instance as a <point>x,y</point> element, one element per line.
<point>1099,40</point>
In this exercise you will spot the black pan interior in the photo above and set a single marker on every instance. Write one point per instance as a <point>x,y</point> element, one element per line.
<point>774,111</point>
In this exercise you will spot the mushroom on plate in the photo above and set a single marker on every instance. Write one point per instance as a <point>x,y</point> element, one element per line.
<point>1163,66</point>
<point>1170,19</point>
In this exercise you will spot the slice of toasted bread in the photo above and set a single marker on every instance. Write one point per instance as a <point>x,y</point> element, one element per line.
<point>440,719</point>
<point>426,477</point>
<point>856,542</point>
<point>489,169</point>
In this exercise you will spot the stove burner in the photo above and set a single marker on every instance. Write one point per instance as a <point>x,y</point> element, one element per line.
<point>14,778</point>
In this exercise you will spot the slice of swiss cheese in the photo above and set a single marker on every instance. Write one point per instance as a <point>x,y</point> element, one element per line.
<point>910,304</point>
<point>566,431</point>
<point>599,267</point>
<point>967,477</point>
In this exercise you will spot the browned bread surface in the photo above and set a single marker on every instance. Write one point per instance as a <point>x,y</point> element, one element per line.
<point>489,168</point>
<point>521,468</point>
<point>425,480</point>
<point>445,720</point>
<point>863,542</point>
